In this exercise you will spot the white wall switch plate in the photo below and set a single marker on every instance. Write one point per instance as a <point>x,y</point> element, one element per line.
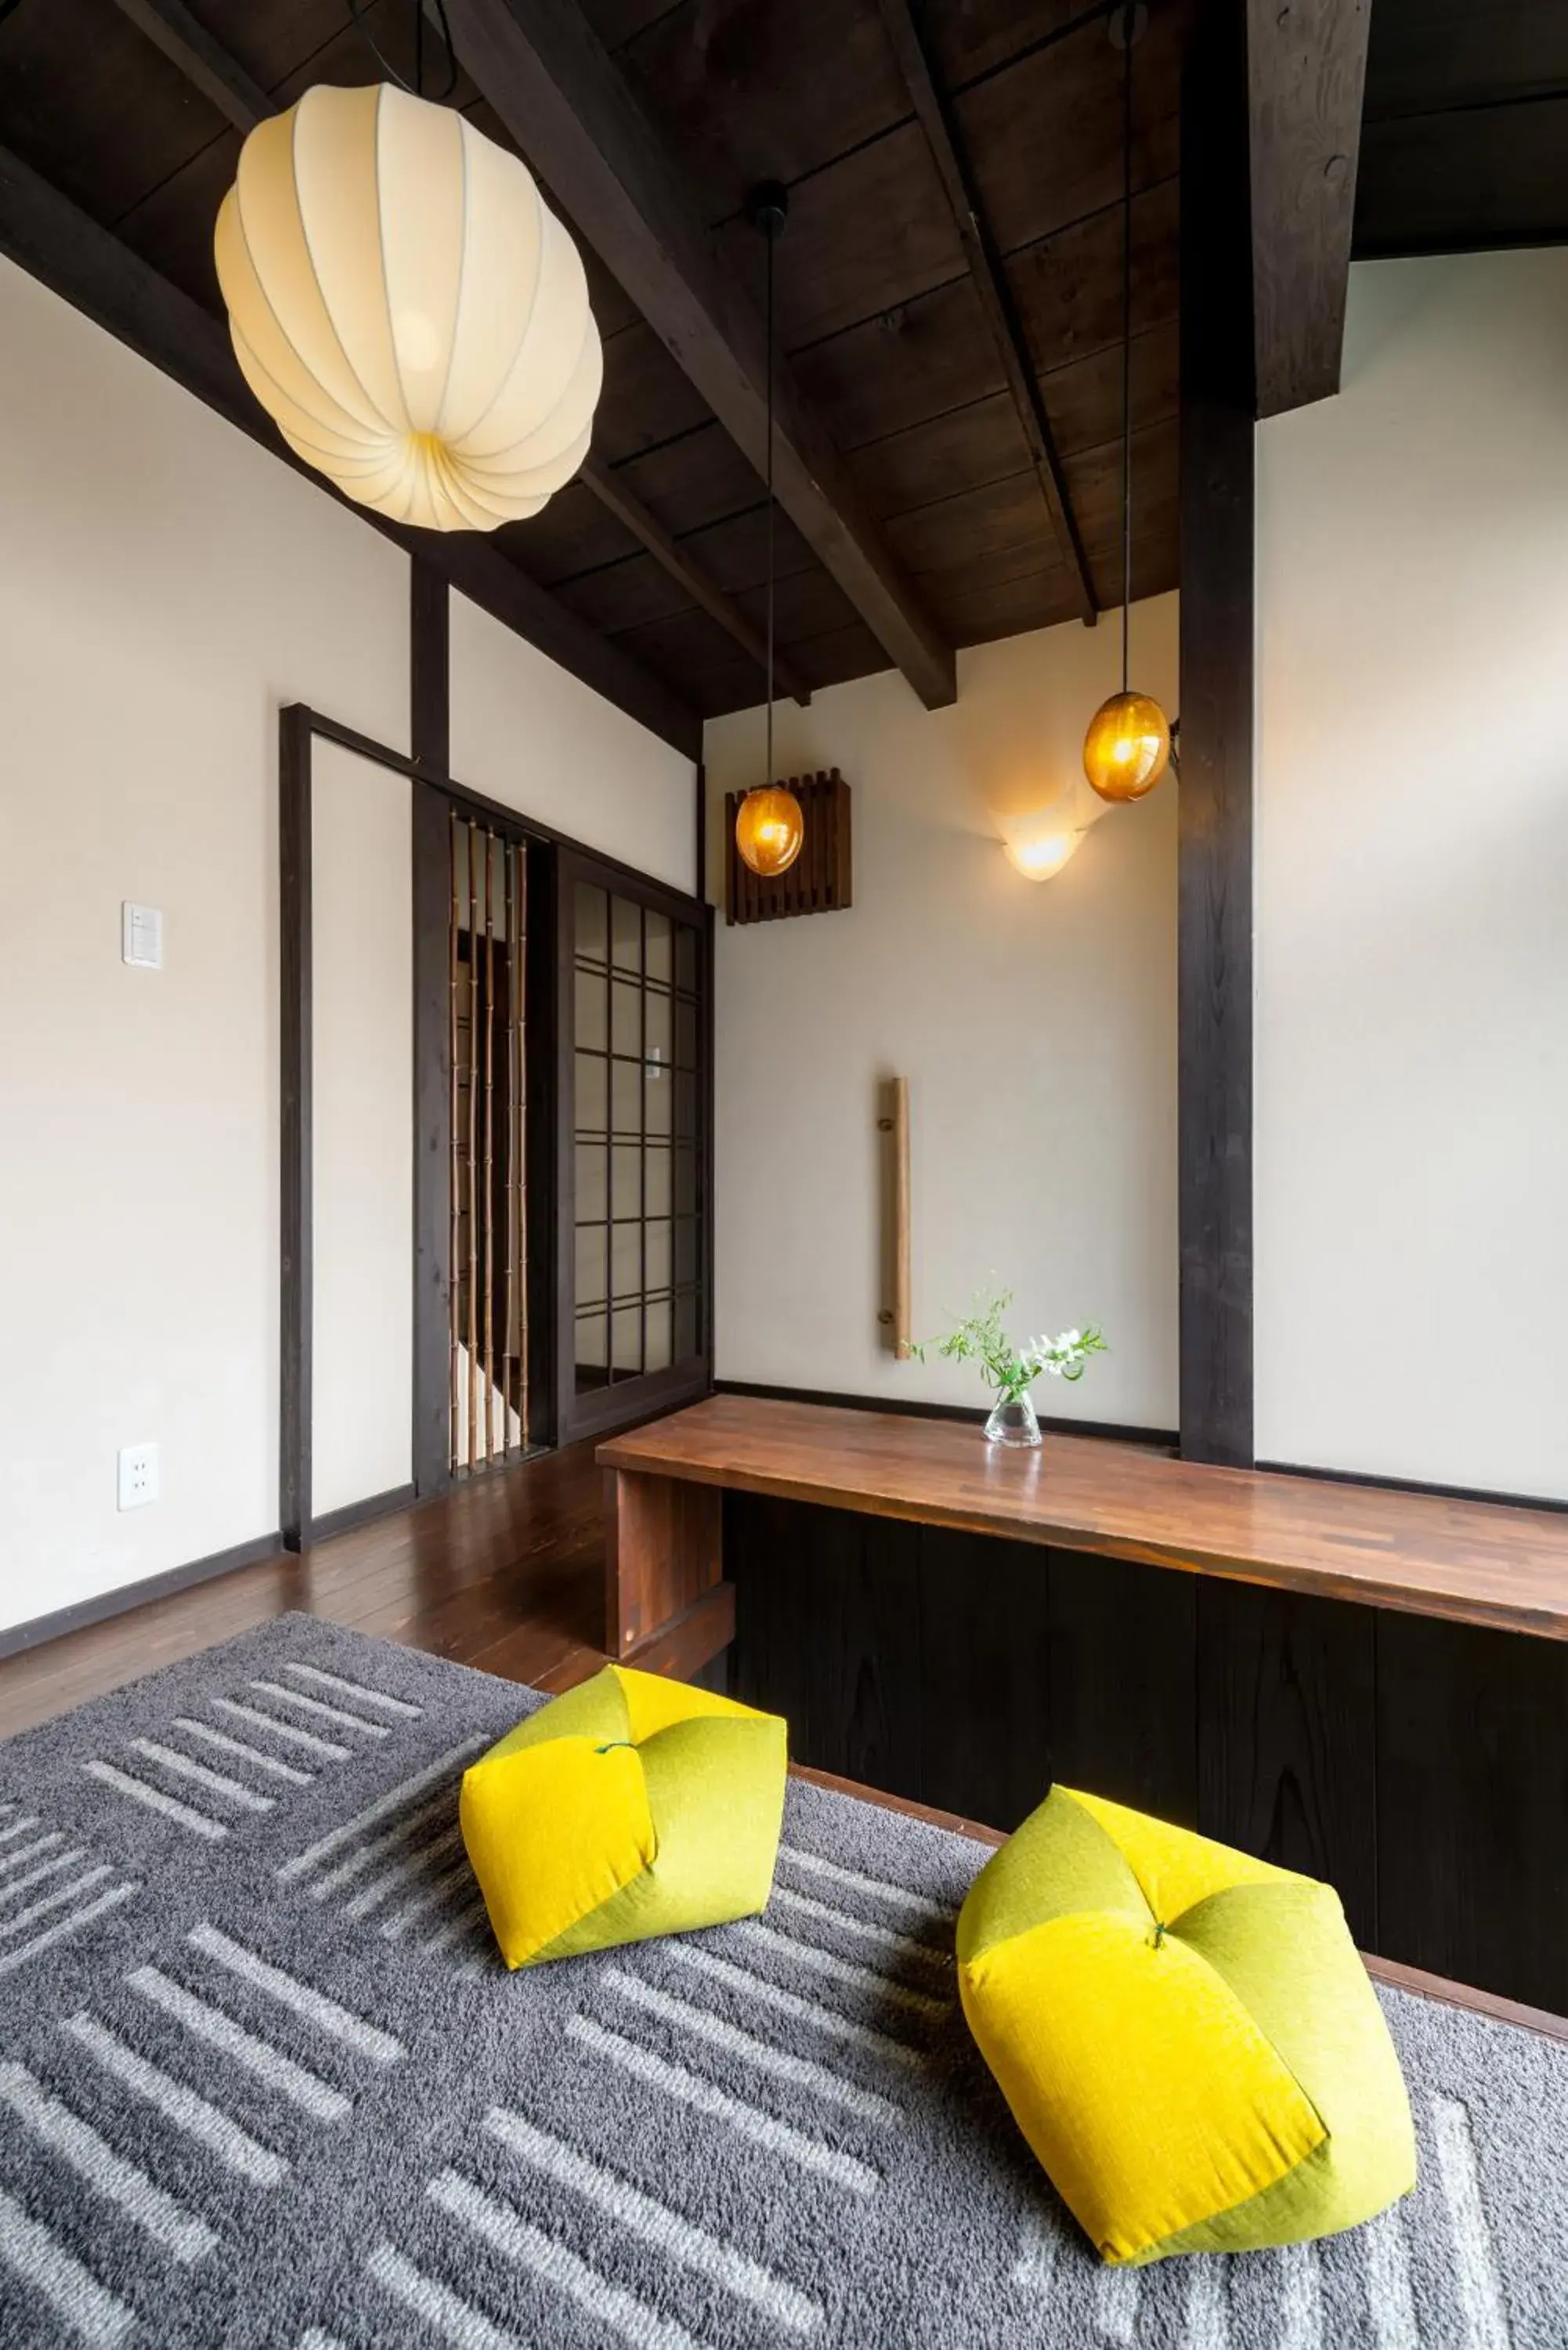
<point>138,1475</point>
<point>141,936</point>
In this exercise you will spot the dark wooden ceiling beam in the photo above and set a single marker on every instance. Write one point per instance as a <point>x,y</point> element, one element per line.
<point>936,120</point>
<point>44,232</point>
<point>621,500</point>
<point>573,115</point>
<point>1306,75</point>
<point>204,62</point>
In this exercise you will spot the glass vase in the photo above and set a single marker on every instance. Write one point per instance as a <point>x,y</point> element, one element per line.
<point>1012,1422</point>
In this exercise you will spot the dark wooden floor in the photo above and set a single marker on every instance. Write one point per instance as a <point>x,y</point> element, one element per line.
<point>506,1573</point>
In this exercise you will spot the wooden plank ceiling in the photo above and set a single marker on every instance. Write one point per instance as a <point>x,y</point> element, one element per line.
<point>887,333</point>
<point>1465,144</point>
<point>985,482</point>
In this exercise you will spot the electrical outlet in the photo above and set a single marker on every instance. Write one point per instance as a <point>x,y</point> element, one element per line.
<point>138,1475</point>
<point>141,936</point>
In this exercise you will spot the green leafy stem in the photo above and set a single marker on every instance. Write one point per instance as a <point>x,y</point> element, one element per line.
<point>1011,1370</point>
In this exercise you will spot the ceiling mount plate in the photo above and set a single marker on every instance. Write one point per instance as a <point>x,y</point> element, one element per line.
<point>767,206</point>
<point>1127,25</point>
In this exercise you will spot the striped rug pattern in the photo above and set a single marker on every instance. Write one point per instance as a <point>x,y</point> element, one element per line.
<point>263,2082</point>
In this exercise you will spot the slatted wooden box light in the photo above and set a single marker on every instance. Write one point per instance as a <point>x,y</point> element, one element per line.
<point>819,881</point>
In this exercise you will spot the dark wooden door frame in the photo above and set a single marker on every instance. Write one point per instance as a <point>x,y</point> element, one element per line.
<point>1214,928</point>
<point>435,798</point>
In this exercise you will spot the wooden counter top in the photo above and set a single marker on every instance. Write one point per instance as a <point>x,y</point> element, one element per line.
<point>1475,1562</point>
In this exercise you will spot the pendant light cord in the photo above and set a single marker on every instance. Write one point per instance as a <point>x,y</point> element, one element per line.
<point>1129,25</point>
<point>772,235</point>
<point>416,89</point>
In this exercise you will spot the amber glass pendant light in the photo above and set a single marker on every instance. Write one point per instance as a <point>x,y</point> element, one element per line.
<point>1127,747</point>
<point>769,823</point>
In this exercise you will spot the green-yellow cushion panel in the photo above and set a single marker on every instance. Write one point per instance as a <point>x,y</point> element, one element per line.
<point>631,1807</point>
<point>1186,2035</point>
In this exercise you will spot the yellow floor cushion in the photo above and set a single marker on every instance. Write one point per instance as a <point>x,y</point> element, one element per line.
<point>632,1806</point>
<point>1186,2036</point>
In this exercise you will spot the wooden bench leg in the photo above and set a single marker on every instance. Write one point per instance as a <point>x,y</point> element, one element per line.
<point>667,1605</point>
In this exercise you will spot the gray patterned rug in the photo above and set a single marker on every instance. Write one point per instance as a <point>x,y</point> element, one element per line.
<point>263,2081</point>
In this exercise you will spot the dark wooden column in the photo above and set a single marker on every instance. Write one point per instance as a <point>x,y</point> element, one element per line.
<point>295,1215</point>
<point>430,728</point>
<point>1215,892</point>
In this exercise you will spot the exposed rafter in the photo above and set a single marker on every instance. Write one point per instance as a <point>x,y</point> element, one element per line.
<point>614,495</point>
<point>222,78</point>
<point>1306,75</point>
<point>49,236</point>
<point>203,60</point>
<point>572,114</point>
<point>936,118</point>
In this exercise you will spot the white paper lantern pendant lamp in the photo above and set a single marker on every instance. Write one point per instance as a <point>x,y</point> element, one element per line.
<point>406,309</point>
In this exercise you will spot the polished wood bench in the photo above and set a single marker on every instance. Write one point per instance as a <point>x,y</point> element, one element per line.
<point>1367,1684</point>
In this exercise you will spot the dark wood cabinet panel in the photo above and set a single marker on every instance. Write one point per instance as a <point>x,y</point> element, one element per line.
<point>984,1657</point>
<point>1123,1668</point>
<point>1286,1737</point>
<point>1472,1794</point>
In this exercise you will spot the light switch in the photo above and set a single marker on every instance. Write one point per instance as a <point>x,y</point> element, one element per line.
<point>141,936</point>
<point>138,1475</point>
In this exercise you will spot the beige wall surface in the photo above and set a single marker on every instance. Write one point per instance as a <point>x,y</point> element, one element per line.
<point>1035,1022</point>
<point>1412,887</point>
<point>362,1051</point>
<point>164,586</point>
<point>529,735</point>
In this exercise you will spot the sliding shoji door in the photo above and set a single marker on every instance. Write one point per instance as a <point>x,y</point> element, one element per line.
<point>634,1180</point>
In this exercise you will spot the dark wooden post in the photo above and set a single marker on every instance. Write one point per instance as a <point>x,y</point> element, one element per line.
<point>1215,890</point>
<point>429,674</point>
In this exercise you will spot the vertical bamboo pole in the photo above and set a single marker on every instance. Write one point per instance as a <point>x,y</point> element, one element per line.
<point>903,1328</point>
<point>897,1318</point>
<point>473,1163</point>
<point>452,1283</point>
<point>642,1149</point>
<point>489,1144</point>
<point>520,1027</point>
<point>508,1144</point>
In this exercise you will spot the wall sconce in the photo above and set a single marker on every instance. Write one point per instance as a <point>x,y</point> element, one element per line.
<point>1039,855</point>
<point>1039,841</point>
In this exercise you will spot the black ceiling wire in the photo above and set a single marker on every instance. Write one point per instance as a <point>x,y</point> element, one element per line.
<point>771,239</point>
<point>1129,32</point>
<point>416,89</point>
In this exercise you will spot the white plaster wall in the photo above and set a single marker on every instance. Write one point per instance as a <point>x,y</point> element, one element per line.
<point>363,1143</point>
<point>165,585</point>
<point>527,733</point>
<point>1412,887</point>
<point>1035,1021</point>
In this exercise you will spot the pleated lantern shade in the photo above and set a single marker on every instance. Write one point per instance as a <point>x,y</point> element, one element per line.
<point>407,310</point>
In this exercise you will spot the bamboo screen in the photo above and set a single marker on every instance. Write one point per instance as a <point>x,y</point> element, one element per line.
<point>489,1288</point>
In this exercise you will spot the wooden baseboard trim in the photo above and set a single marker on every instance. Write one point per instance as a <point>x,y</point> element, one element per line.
<point>1417,1981</point>
<point>1415,1485</point>
<point>951,1821</point>
<point>360,1514</point>
<point>1163,1438</point>
<point>18,1638</point>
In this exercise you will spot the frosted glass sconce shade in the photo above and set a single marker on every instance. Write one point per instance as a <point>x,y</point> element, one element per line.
<point>407,310</point>
<point>1038,856</point>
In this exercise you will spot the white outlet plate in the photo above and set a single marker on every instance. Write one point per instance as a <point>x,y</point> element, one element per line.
<point>141,936</point>
<point>138,1476</point>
